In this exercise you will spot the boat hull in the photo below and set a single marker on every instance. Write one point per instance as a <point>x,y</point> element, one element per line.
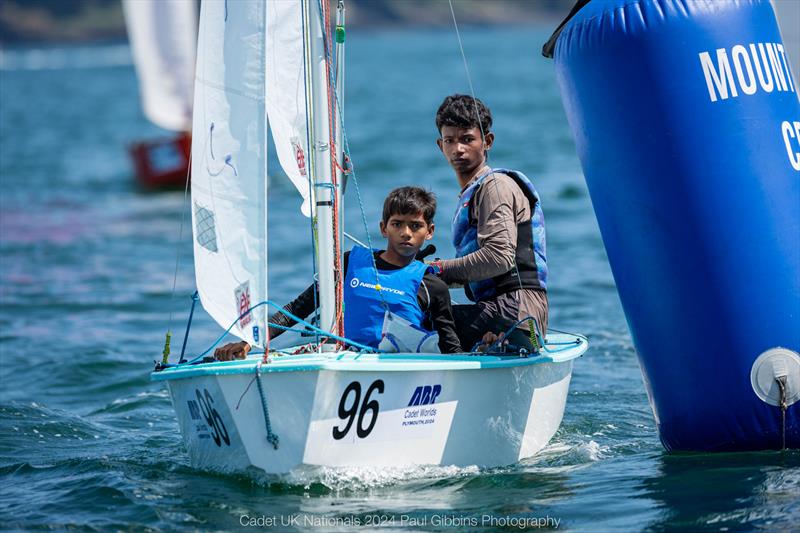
<point>337,410</point>
<point>162,164</point>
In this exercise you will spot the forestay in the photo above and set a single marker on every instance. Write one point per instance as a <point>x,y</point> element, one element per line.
<point>229,166</point>
<point>163,36</point>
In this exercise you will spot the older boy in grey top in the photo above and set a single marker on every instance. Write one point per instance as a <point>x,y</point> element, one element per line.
<point>498,230</point>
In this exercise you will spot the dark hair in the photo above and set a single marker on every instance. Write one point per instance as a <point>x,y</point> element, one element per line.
<point>458,110</point>
<point>410,201</point>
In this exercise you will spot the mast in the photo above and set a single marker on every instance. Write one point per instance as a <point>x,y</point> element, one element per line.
<point>339,114</point>
<point>323,194</point>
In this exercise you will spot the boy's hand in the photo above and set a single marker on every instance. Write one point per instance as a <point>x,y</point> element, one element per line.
<point>231,351</point>
<point>490,338</point>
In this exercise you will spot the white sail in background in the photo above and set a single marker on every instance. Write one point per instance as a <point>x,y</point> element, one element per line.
<point>286,93</point>
<point>163,37</point>
<point>229,165</point>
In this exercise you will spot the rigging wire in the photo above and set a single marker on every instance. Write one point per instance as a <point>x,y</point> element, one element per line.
<point>349,169</point>
<point>483,135</point>
<point>178,256</point>
<point>362,347</point>
<point>310,147</point>
<point>466,69</point>
<point>332,115</point>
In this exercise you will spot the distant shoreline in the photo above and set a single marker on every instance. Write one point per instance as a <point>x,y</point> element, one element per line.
<point>87,22</point>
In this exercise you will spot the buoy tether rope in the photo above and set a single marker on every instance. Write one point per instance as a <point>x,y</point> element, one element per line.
<point>782,398</point>
<point>775,378</point>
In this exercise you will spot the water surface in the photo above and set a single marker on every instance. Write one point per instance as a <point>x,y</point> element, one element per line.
<point>87,267</point>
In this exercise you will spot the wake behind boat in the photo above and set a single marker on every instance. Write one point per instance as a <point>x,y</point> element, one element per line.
<point>269,66</point>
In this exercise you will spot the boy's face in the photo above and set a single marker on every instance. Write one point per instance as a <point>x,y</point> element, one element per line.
<point>405,235</point>
<point>463,148</point>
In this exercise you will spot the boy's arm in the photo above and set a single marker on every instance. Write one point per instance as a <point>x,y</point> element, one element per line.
<point>302,306</point>
<point>499,203</point>
<point>441,314</point>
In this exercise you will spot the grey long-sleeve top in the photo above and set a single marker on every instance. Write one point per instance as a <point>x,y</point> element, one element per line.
<point>499,206</point>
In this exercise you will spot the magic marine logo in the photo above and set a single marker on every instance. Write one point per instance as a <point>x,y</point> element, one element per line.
<point>355,282</point>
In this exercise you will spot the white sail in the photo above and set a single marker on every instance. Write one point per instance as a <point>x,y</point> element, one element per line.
<point>229,165</point>
<point>286,90</point>
<point>163,37</point>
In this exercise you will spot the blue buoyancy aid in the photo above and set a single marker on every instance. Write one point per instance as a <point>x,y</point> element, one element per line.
<point>530,271</point>
<point>365,305</point>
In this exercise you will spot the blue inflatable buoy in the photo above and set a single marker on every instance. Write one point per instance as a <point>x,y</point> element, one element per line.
<point>687,122</point>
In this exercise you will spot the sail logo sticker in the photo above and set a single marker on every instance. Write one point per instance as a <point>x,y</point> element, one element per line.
<point>299,155</point>
<point>243,304</point>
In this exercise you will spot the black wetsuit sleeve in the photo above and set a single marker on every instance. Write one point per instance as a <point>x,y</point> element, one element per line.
<point>302,306</point>
<point>440,312</point>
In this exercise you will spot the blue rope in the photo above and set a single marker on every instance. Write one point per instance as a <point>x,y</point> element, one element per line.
<point>286,328</point>
<point>539,335</point>
<point>321,332</point>
<point>195,297</point>
<point>272,438</point>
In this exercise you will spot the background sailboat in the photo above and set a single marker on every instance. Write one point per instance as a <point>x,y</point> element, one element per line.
<point>163,38</point>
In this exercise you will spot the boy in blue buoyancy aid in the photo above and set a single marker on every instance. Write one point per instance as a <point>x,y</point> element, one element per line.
<point>498,231</point>
<point>414,296</point>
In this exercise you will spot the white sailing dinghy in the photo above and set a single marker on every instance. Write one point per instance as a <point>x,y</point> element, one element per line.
<point>260,61</point>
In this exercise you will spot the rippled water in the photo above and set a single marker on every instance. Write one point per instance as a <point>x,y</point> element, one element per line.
<point>86,276</point>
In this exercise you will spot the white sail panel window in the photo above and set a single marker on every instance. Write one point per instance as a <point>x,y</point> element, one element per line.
<point>229,166</point>
<point>163,37</point>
